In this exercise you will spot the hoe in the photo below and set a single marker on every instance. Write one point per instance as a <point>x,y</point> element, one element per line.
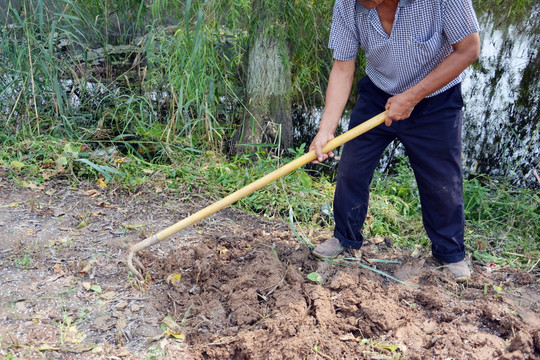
<point>246,190</point>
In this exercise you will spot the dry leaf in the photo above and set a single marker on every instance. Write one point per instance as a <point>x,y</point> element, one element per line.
<point>174,278</point>
<point>58,269</point>
<point>89,266</point>
<point>121,323</point>
<point>92,193</point>
<point>172,325</point>
<point>10,205</point>
<point>87,285</point>
<point>73,335</point>
<point>124,353</point>
<point>34,186</point>
<point>50,192</point>
<point>97,350</point>
<point>122,305</point>
<point>46,347</point>
<point>109,295</point>
<point>377,239</point>
<point>133,227</point>
<point>173,334</point>
<point>347,337</point>
<point>101,183</point>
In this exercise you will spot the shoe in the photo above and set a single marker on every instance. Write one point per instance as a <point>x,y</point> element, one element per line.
<point>328,249</point>
<point>460,270</point>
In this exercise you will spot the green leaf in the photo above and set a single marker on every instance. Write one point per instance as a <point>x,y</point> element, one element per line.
<point>315,277</point>
<point>96,288</point>
<point>63,160</point>
<point>17,165</point>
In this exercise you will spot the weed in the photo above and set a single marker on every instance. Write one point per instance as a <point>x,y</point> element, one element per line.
<point>24,263</point>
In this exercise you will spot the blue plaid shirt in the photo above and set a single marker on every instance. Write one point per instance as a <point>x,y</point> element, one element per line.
<point>421,38</point>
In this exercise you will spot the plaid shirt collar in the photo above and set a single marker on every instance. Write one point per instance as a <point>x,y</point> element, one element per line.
<point>362,9</point>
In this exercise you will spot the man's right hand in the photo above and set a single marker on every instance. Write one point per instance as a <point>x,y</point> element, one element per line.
<point>319,141</point>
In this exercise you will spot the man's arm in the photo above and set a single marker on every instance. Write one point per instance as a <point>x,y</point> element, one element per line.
<point>337,94</point>
<point>465,53</point>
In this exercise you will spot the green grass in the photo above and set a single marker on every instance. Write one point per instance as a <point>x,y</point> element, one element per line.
<point>165,119</point>
<point>502,222</point>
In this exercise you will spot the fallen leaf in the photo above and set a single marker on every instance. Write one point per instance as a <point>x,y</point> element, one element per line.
<point>73,335</point>
<point>124,353</point>
<point>173,334</point>
<point>10,205</point>
<point>87,285</point>
<point>121,305</point>
<point>34,186</point>
<point>109,295</point>
<point>158,190</point>
<point>81,225</point>
<point>377,240</point>
<point>58,269</point>
<point>101,183</point>
<point>347,337</point>
<point>133,227</point>
<point>96,288</point>
<point>97,350</point>
<point>46,347</point>
<point>121,323</point>
<point>92,193</point>
<point>315,277</point>
<point>89,266</point>
<point>17,165</point>
<point>29,232</point>
<point>174,278</point>
<point>171,325</point>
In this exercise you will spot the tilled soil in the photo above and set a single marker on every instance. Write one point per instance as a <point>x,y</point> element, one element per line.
<point>234,286</point>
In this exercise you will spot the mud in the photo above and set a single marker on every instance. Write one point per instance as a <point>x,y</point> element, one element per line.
<point>234,286</point>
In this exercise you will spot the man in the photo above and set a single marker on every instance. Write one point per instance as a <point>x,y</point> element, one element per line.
<point>416,53</point>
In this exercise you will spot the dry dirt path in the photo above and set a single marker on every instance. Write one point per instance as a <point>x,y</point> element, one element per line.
<point>234,286</point>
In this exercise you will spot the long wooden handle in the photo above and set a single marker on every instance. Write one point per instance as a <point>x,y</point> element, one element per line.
<point>256,185</point>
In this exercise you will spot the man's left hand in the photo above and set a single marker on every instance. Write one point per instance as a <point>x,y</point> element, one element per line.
<point>399,107</point>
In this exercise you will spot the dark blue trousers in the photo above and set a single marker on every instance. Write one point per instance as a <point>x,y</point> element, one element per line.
<point>432,141</point>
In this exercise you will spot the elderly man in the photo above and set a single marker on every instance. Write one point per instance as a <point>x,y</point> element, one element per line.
<point>416,53</point>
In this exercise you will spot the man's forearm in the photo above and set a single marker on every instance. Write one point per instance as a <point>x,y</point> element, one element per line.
<point>337,94</point>
<point>464,54</point>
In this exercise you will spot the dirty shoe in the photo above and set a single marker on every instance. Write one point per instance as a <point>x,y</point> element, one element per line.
<point>460,270</point>
<point>328,249</point>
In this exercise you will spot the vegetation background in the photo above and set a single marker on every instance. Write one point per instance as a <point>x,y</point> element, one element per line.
<point>117,91</point>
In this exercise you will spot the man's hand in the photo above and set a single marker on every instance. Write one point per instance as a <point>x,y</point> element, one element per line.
<point>319,141</point>
<point>400,107</point>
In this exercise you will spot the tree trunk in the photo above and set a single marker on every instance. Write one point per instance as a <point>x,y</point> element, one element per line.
<point>268,116</point>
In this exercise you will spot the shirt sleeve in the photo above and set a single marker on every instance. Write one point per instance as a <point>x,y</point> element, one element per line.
<point>344,37</point>
<point>459,20</point>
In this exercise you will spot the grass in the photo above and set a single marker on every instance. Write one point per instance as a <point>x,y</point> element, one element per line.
<point>161,116</point>
<point>502,222</point>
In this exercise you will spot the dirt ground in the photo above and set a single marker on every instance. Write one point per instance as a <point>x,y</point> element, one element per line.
<point>234,286</point>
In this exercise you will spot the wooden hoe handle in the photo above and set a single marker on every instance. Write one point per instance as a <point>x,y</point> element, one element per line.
<point>250,188</point>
